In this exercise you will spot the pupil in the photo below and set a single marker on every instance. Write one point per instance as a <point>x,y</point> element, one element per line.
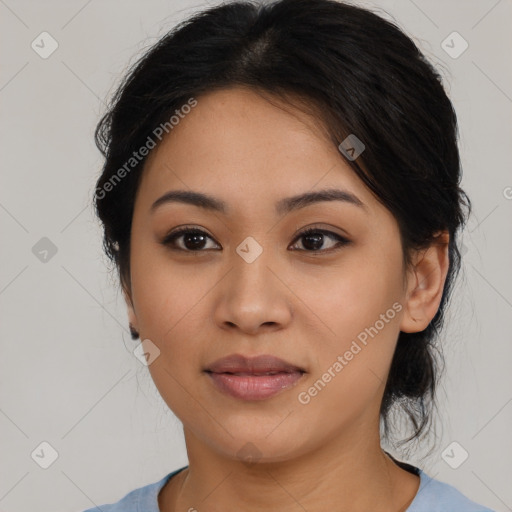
<point>197,240</point>
<point>317,244</point>
<point>311,241</point>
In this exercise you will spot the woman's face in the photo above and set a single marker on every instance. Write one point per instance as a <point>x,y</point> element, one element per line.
<point>252,285</point>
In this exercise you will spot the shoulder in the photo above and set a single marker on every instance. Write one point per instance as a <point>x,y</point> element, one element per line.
<point>127,504</point>
<point>142,499</point>
<point>436,496</point>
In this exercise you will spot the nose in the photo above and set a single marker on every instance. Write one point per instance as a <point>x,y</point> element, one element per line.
<point>253,296</point>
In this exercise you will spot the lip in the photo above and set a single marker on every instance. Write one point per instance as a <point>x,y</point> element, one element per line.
<point>253,378</point>
<point>237,363</point>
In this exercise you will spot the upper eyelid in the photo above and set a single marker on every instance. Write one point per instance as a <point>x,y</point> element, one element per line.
<point>183,229</point>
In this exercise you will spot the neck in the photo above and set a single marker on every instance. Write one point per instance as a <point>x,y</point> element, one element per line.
<point>348,473</point>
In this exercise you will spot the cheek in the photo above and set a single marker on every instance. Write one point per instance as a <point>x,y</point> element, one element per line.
<point>162,292</point>
<point>171,304</point>
<point>351,296</point>
<point>360,303</point>
<point>170,314</point>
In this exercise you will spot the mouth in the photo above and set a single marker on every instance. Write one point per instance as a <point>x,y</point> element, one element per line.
<point>262,364</point>
<point>255,378</point>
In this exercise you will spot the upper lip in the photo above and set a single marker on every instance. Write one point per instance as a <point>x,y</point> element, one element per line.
<point>237,363</point>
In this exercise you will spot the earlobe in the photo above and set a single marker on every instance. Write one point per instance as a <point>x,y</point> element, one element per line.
<point>134,333</point>
<point>426,284</point>
<point>132,319</point>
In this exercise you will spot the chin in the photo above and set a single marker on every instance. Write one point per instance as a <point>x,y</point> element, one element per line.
<point>252,447</point>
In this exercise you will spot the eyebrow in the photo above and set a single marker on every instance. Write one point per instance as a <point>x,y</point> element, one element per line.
<point>283,206</point>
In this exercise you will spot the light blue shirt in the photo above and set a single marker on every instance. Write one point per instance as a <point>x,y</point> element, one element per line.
<point>432,496</point>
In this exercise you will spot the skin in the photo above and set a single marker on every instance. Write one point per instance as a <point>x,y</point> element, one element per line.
<point>304,306</point>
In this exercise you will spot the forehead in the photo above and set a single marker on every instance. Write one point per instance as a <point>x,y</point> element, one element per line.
<point>237,145</point>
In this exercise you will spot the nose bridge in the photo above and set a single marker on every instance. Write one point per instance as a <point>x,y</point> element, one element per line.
<point>251,261</point>
<point>252,296</point>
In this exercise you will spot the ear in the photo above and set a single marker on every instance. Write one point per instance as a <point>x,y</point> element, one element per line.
<point>425,284</point>
<point>132,318</point>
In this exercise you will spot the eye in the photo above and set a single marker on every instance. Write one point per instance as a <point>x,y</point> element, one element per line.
<point>315,238</point>
<point>193,239</point>
<point>189,239</point>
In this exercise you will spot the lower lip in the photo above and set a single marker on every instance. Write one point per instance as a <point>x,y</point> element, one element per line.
<point>254,387</point>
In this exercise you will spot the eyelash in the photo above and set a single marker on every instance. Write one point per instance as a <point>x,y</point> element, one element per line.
<point>169,240</point>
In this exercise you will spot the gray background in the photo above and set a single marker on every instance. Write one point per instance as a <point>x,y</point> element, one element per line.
<point>67,372</point>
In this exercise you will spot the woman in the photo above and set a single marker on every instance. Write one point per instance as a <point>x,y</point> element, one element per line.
<point>281,198</point>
